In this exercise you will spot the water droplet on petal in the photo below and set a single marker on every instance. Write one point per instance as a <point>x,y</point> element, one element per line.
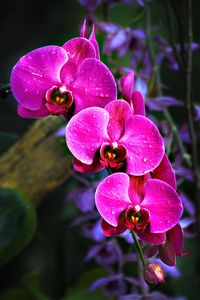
<point>145,159</point>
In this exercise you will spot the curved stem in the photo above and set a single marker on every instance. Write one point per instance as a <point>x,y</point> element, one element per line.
<point>139,249</point>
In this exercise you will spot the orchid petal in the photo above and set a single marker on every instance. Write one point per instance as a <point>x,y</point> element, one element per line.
<point>126,84</point>
<point>85,133</point>
<point>84,168</point>
<point>136,188</point>
<point>31,114</point>
<point>176,236</point>
<point>152,238</point>
<point>144,145</point>
<point>165,172</point>
<point>119,111</point>
<point>167,253</point>
<point>94,85</point>
<point>164,205</point>
<point>93,40</point>
<point>138,104</point>
<point>109,230</point>
<point>112,197</point>
<point>35,73</point>
<point>78,49</point>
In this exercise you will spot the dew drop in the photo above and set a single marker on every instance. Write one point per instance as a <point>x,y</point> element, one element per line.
<point>145,159</point>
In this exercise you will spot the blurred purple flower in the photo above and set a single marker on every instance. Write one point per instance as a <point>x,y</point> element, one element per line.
<point>93,231</point>
<point>106,253</point>
<point>113,285</point>
<point>188,204</point>
<point>90,4</point>
<point>83,197</point>
<point>197,113</point>
<point>161,103</point>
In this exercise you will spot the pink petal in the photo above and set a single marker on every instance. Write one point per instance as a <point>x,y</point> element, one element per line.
<point>176,236</point>
<point>93,40</point>
<point>112,197</point>
<point>77,50</point>
<point>165,172</point>
<point>94,86</point>
<point>164,205</point>
<point>152,238</point>
<point>119,111</point>
<point>136,188</point>
<point>83,32</point>
<point>109,230</point>
<point>83,168</point>
<point>27,113</point>
<point>126,84</point>
<point>85,133</point>
<point>144,145</point>
<point>35,73</point>
<point>138,104</point>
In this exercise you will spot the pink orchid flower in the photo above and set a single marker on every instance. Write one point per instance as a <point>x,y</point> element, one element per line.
<point>62,80</point>
<point>114,138</point>
<point>134,97</point>
<point>148,206</point>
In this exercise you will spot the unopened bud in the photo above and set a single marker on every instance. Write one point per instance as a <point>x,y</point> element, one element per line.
<point>153,274</point>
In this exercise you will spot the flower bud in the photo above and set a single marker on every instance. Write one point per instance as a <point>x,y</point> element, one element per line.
<point>153,274</point>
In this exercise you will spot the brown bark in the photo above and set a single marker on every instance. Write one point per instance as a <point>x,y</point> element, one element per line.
<point>36,164</point>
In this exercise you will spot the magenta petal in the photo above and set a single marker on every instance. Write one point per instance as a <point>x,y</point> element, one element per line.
<point>176,236</point>
<point>35,73</point>
<point>83,31</point>
<point>126,84</point>
<point>112,197</point>
<point>165,172</point>
<point>144,145</point>
<point>109,230</point>
<point>119,111</point>
<point>94,86</point>
<point>164,205</point>
<point>85,133</point>
<point>93,40</point>
<point>152,238</point>
<point>83,168</point>
<point>31,114</point>
<point>138,104</point>
<point>77,50</point>
<point>136,188</point>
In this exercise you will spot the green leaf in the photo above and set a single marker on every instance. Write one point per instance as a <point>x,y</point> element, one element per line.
<point>17,223</point>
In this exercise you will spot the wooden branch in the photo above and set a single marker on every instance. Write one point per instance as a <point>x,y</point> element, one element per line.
<point>36,164</point>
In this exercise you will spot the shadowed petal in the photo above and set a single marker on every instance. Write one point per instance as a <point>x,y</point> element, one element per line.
<point>119,111</point>
<point>85,133</point>
<point>136,188</point>
<point>112,198</point>
<point>164,205</point>
<point>94,85</point>
<point>27,113</point>
<point>152,238</point>
<point>126,84</point>
<point>77,50</point>
<point>165,172</point>
<point>167,253</point>
<point>35,73</point>
<point>144,145</point>
<point>109,230</point>
<point>176,235</point>
<point>138,104</point>
<point>84,168</point>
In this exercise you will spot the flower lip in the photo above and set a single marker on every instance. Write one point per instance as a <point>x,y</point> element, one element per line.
<point>112,156</point>
<point>59,100</point>
<point>136,219</point>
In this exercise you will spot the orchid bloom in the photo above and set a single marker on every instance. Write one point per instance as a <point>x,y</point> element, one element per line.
<point>62,80</point>
<point>115,138</point>
<point>150,207</point>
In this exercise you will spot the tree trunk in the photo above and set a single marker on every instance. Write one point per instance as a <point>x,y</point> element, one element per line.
<point>36,164</point>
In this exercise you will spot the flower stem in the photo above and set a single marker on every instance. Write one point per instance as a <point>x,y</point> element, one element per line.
<point>139,249</point>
